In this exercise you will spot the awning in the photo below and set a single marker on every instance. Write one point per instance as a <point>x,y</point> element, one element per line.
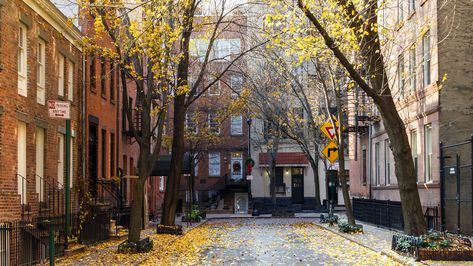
<point>285,159</point>
<point>162,166</point>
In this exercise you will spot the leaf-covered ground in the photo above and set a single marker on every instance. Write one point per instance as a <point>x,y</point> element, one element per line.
<point>243,242</point>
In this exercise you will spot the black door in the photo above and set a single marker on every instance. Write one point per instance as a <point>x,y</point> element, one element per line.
<point>297,185</point>
<point>93,158</point>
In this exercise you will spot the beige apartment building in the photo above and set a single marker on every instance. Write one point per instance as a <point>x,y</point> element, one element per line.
<point>427,49</point>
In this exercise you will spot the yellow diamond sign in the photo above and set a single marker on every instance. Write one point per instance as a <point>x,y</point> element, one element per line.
<point>328,129</point>
<point>331,152</point>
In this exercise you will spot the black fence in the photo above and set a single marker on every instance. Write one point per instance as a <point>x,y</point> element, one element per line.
<point>380,212</point>
<point>96,227</point>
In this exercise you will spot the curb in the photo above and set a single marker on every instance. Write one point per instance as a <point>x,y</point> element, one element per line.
<point>397,258</point>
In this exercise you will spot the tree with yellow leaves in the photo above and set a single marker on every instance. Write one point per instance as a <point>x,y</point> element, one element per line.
<point>349,31</point>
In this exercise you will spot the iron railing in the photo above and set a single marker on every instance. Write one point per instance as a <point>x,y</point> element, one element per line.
<point>380,212</point>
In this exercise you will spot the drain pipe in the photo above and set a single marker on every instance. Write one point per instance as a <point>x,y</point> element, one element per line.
<point>370,155</point>
<point>84,121</point>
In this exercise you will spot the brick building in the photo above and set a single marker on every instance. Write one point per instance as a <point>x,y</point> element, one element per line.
<point>217,137</point>
<point>40,60</point>
<point>429,69</point>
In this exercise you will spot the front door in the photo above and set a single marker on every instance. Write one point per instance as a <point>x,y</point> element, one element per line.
<point>297,185</point>
<point>93,158</point>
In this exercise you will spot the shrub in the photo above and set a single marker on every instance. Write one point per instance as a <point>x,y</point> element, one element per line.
<point>350,228</point>
<point>331,219</point>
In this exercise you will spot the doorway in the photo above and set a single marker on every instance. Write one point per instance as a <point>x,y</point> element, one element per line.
<point>93,158</point>
<point>297,195</point>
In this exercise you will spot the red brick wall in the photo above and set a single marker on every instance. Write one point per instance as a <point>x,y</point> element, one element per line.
<point>16,107</point>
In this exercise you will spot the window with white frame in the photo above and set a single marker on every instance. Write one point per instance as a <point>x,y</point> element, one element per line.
<point>191,123</point>
<point>198,48</point>
<point>412,68</point>
<point>196,167</point>
<point>60,77</point>
<point>161,183</point>
<point>237,166</point>
<point>22,61</point>
<point>236,125</point>
<point>224,48</point>
<point>377,164</point>
<point>412,6</point>
<point>214,90</point>
<point>400,11</point>
<point>426,58</point>
<point>214,164</point>
<point>236,83</point>
<point>387,163</point>
<point>213,122</point>
<point>414,152</point>
<point>70,80</point>
<point>41,72</point>
<point>428,153</point>
<point>400,73</point>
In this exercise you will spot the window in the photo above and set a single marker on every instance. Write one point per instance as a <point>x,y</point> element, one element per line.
<point>223,48</point>
<point>412,68</point>
<point>414,152</point>
<point>236,83</point>
<point>387,163</point>
<point>70,80</point>
<point>104,153</point>
<point>214,164</point>
<point>267,129</point>
<point>60,77</point>
<point>400,15</point>
<point>161,183</point>
<point>41,73</point>
<point>112,154</point>
<point>112,81</point>
<point>92,72</point>
<point>364,162</point>
<point>191,123</point>
<point>428,152</point>
<point>60,160</point>
<point>412,6</point>
<point>215,88</point>
<point>21,161</point>
<point>237,167</point>
<point>196,167</point>
<point>426,58</point>
<point>214,125</point>
<point>102,75</point>
<point>198,48</point>
<point>39,141</point>
<point>22,61</point>
<point>400,75</point>
<point>377,163</point>
<point>237,125</point>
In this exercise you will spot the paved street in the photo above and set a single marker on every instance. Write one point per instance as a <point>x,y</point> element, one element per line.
<point>266,242</point>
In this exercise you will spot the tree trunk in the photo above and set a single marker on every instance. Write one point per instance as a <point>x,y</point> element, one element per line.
<point>136,214</point>
<point>414,222</point>
<point>172,187</point>
<point>341,166</point>
<point>145,206</point>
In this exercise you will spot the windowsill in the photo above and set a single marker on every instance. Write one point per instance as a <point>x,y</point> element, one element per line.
<point>214,176</point>
<point>112,101</point>
<point>103,96</point>
<point>93,90</point>
<point>61,97</point>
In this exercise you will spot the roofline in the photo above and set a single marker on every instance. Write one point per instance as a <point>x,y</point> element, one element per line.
<point>48,11</point>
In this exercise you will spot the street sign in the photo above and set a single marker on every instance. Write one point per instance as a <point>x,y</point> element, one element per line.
<point>59,109</point>
<point>328,129</point>
<point>331,152</point>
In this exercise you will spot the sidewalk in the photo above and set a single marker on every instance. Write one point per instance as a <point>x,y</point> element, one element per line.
<point>105,253</point>
<point>379,239</point>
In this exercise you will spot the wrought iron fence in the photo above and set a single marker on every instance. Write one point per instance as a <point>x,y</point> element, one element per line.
<point>380,212</point>
<point>96,227</point>
<point>5,231</point>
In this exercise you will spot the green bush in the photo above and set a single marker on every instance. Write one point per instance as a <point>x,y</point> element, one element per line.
<point>331,219</point>
<point>349,228</point>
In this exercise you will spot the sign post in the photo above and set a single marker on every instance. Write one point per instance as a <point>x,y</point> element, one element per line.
<point>62,110</point>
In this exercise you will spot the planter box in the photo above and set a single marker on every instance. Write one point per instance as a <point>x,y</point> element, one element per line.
<point>448,255</point>
<point>171,230</point>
